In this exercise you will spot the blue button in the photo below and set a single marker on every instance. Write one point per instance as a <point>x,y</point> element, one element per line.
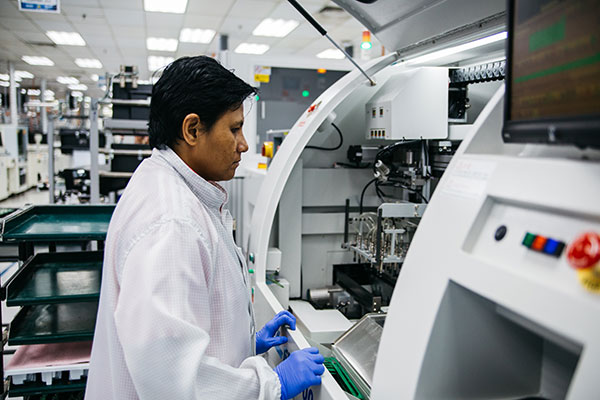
<point>553,247</point>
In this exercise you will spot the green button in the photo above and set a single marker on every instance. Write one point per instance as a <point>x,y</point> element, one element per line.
<point>528,239</point>
<point>251,271</point>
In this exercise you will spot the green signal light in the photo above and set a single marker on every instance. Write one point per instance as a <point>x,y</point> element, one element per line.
<point>366,45</point>
<point>305,93</point>
<point>257,98</point>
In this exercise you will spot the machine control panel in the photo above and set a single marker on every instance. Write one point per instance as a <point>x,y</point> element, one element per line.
<point>560,250</point>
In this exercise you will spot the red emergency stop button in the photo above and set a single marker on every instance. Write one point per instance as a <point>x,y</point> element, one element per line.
<point>584,252</point>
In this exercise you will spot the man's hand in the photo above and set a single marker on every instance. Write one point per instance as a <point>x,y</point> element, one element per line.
<point>265,338</point>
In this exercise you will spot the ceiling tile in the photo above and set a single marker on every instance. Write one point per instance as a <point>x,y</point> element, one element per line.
<point>129,32</point>
<point>86,30</point>
<point>252,9</point>
<point>164,20</point>
<point>286,11</point>
<point>50,25</point>
<point>21,24</point>
<point>124,17</point>
<point>124,4</point>
<point>162,31</point>
<point>76,11</point>
<point>7,36</point>
<point>33,37</point>
<point>238,26</point>
<point>209,7</point>
<point>86,3</point>
<point>201,21</point>
<point>126,42</point>
<point>78,52</point>
<point>88,20</point>
<point>10,9</point>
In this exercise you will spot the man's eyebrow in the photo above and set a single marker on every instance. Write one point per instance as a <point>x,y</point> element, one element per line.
<point>239,123</point>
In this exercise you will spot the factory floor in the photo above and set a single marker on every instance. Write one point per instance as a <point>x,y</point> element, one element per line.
<point>32,196</point>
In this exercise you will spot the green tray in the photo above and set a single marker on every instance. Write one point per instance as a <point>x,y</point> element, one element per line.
<point>341,376</point>
<point>57,223</point>
<point>6,211</point>
<point>53,323</point>
<point>56,278</point>
<point>35,388</point>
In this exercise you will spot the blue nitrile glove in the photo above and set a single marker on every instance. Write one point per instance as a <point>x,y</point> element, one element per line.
<point>302,369</point>
<point>265,338</point>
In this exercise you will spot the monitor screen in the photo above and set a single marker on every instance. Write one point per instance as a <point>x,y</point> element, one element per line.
<point>553,85</point>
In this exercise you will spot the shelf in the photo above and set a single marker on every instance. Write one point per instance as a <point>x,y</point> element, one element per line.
<point>53,323</point>
<point>113,174</point>
<point>37,388</point>
<point>48,278</point>
<point>57,223</point>
<point>138,124</point>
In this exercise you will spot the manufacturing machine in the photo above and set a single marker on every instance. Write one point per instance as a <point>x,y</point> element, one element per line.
<point>495,280</point>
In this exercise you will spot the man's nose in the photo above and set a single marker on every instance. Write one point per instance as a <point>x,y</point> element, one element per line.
<point>242,144</point>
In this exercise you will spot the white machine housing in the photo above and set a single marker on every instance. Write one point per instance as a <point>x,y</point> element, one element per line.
<point>412,105</point>
<point>486,318</point>
<point>471,316</point>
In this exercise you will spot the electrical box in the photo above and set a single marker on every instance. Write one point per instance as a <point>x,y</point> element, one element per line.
<point>410,105</point>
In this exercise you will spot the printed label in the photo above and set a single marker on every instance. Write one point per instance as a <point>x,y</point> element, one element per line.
<point>469,178</point>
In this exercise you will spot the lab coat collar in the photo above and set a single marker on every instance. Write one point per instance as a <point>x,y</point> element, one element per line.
<point>210,193</point>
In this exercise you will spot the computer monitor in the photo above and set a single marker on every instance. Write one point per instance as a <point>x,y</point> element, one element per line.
<point>553,72</point>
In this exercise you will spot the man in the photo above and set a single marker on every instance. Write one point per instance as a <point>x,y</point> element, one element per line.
<point>175,319</point>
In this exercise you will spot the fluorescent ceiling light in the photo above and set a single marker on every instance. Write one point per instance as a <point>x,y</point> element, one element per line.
<point>76,93</point>
<point>23,75</point>
<point>251,48</point>
<point>166,6</point>
<point>23,91</point>
<point>66,38</point>
<point>33,92</point>
<point>48,95</point>
<point>190,35</point>
<point>161,44</point>
<point>158,62</point>
<point>88,63</point>
<point>458,49</point>
<point>275,27</point>
<point>4,84</point>
<point>35,60</point>
<point>4,77</point>
<point>331,53</point>
<point>67,80</point>
<point>78,86</point>
<point>95,77</point>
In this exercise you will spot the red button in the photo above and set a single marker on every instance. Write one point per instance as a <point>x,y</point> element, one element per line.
<point>539,243</point>
<point>584,252</point>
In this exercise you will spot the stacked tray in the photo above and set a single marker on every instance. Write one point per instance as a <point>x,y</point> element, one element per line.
<point>56,223</point>
<point>58,292</point>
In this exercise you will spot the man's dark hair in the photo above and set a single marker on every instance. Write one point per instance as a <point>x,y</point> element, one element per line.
<point>192,85</point>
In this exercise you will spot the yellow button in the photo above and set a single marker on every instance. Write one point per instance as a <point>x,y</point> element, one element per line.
<point>590,278</point>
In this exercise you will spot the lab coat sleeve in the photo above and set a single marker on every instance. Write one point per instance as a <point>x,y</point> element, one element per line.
<point>163,319</point>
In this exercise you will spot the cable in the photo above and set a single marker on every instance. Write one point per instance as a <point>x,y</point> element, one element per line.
<point>380,193</point>
<point>397,184</point>
<point>330,148</point>
<point>362,195</point>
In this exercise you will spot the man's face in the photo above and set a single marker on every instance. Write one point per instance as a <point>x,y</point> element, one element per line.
<point>220,149</point>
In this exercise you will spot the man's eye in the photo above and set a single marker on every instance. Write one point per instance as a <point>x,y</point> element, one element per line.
<point>235,130</point>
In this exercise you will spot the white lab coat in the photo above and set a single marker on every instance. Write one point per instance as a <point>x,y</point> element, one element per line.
<point>175,319</point>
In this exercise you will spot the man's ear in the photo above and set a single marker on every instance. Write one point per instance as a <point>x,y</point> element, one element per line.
<point>191,129</point>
